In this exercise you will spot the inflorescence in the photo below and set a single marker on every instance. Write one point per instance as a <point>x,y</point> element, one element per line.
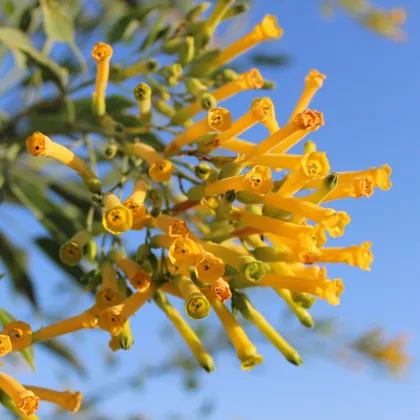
<point>236,227</point>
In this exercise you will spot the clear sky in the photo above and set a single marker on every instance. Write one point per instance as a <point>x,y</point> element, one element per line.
<point>370,105</point>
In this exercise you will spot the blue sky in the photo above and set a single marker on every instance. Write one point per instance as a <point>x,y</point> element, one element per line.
<point>370,105</point>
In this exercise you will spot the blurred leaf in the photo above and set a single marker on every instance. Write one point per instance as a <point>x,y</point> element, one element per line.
<point>117,31</point>
<point>51,249</point>
<point>50,215</point>
<point>19,42</point>
<point>14,259</point>
<point>58,26</point>
<point>64,352</point>
<point>75,194</point>
<point>2,275</point>
<point>28,353</point>
<point>273,60</point>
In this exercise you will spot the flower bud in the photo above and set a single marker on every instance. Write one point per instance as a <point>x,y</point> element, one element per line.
<point>208,101</point>
<point>71,252</point>
<point>143,251</point>
<point>203,171</point>
<point>195,12</point>
<point>111,151</point>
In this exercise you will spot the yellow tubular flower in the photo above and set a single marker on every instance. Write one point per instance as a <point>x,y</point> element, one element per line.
<point>5,345</point>
<point>311,119</point>
<point>102,54</point>
<point>39,144</point>
<point>191,339</point>
<point>245,350</point>
<point>249,312</point>
<point>66,326</point>
<point>217,120</point>
<point>265,30</point>
<point>355,255</point>
<point>143,96</point>
<point>137,277</point>
<point>20,334</point>
<point>184,252</point>
<point>196,304</point>
<point>279,227</point>
<point>209,268</point>
<point>178,229</point>
<point>304,123</point>
<point>221,290</point>
<point>261,109</point>
<point>117,218</point>
<point>313,82</point>
<point>246,81</point>
<point>160,169</point>
<point>114,318</point>
<point>136,204</point>
<point>67,400</point>
<point>109,294</point>
<point>329,290</point>
<point>327,218</point>
<point>26,401</point>
<point>378,176</point>
<point>278,161</point>
<point>258,180</point>
<point>359,187</point>
<point>312,167</point>
<point>239,146</point>
<point>71,252</point>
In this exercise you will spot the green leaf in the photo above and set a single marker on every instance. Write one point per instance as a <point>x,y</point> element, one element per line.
<point>118,29</point>
<point>15,261</point>
<point>272,60</point>
<point>58,26</point>
<point>28,353</point>
<point>65,353</point>
<point>53,217</point>
<point>19,43</point>
<point>2,275</point>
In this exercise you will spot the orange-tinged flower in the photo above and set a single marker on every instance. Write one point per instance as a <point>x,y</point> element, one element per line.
<point>379,177</point>
<point>26,401</point>
<point>111,320</point>
<point>209,268</point>
<point>136,201</point>
<point>355,255</point>
<point>218,119</point>
<point>67,400</point>
<point>258,180</point>
<point>337,228</point>
<point>248,80</point>
<point>161,170</point>
<point>39,144</point>
<point>313,166</point>
<point>102,54</point>
<point>178,229</point>
<point>20,334</point>
<point>117,218</point>
<point>184,252</point>
<point>5,345</point>
<point>329,290</point>
<point>357,188</point>
<point>221,290</point>
<point>137,277</point>
<point>313,82</point>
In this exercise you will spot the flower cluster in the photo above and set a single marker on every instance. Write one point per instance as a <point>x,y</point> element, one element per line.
<point>238,226</point>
